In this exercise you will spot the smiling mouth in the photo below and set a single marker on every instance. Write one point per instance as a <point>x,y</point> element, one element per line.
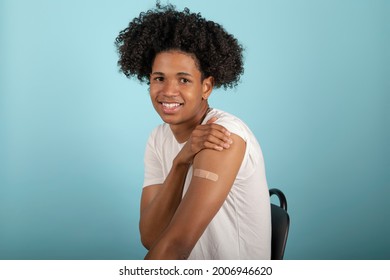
<point>170,106</point>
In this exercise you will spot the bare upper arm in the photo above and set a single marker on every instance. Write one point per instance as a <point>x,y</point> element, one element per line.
<point>204,197</point>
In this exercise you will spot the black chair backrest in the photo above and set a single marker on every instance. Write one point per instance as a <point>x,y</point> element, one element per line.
<point>280,225</point>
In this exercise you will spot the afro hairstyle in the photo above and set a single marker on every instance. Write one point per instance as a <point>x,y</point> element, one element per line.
<point>217,53</point>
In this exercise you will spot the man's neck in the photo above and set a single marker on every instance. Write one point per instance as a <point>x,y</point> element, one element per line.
<point>183,131</point>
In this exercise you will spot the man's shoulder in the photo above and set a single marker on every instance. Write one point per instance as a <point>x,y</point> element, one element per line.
<point>161,129</point>
<point>224,116</point>
<point>231,122</point>
<point>159,135</point>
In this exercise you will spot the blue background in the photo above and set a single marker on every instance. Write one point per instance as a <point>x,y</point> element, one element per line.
<point>73,129</point>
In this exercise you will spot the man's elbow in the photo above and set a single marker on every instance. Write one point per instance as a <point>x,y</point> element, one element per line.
<point>146,242</point>
<point>147,236</point>
<point>173,249</point>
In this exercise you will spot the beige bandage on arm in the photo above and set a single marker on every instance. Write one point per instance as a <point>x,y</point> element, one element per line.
<point>206,174</point>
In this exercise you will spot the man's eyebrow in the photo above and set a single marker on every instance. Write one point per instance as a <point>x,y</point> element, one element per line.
<point>183,74</point>
<point>157,73</point>
<point>178,74</point>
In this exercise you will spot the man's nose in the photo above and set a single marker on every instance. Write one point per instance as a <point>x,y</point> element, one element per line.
<point>170,88</point>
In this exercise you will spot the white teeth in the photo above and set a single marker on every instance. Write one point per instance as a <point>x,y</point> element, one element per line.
<point>171,105</point>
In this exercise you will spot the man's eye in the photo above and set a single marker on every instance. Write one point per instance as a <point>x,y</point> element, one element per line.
<point>159,79</point>
<point>184,81</point>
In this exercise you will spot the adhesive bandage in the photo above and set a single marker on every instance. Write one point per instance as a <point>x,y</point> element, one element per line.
<point>206,174</point>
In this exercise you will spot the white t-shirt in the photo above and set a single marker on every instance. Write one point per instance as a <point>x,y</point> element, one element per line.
<point>241,229</point>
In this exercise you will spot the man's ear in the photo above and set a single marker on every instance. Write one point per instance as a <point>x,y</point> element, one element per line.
<point>208,85</point>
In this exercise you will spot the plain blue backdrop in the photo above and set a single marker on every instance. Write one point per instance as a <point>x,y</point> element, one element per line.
<point>73,129</point>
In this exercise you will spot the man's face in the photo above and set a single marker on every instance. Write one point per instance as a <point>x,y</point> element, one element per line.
<point>177,91</point>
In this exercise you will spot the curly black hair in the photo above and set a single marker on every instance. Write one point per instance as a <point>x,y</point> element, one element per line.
<point>218,53</point>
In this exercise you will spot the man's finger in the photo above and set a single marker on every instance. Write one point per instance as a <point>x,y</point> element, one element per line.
<point>213,119</point>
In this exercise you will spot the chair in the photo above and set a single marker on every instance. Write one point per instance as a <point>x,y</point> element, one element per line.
<point>280,225</point>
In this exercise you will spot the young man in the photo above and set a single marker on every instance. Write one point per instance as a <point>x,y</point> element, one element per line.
<point>205,194</point>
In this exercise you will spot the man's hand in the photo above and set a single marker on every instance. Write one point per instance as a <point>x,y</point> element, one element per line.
<point>207,136</point>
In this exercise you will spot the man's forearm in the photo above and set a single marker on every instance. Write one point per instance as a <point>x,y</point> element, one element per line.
<point>158,213</point>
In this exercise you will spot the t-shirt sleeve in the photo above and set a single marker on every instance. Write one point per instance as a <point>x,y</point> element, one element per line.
<point>153,173</point>
<point>234,126</point>
<point>249,163</point>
